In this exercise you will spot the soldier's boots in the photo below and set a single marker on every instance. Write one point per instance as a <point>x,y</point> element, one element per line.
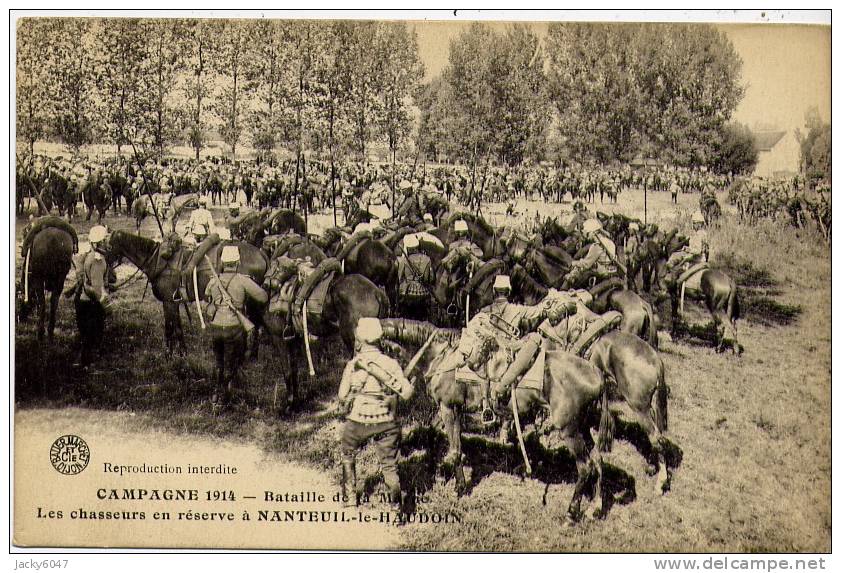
<point>349,495</point>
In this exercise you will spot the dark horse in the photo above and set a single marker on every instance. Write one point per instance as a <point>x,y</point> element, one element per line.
<point>366,256</point>
<point>570,386</point>
<point>164,273</point>
<point>348,298</point>
<point>49,259</point>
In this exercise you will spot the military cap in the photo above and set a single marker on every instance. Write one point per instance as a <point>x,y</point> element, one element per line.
<point>369,330</point>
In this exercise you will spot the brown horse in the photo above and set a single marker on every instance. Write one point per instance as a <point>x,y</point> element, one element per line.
<point>570,386</point>
<point>720,295</point>
<point>165,274</point>
<point>47,263</point>
<point>348,298</point>
<point>636,375</point>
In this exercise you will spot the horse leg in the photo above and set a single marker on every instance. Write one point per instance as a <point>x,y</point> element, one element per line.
<point>452,426</point>
<point>169,326</point>
<point>576,445</point>
<point>55,296</point>
<point>41,303</point>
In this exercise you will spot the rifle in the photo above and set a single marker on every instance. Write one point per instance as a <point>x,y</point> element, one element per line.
<point>226,299</point>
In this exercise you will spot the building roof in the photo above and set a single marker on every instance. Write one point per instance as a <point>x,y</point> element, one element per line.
<point>766,140</point>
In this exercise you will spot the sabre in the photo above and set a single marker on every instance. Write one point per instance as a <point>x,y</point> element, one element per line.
<point>418,355</point>
<point>196,294</point>
<point>26,276</point>
<point>307,339</point>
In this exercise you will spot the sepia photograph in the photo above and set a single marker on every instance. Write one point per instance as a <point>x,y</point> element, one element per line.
<point>512,282</point>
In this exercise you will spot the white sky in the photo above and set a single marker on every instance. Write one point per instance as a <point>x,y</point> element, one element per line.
<point>786,68</point>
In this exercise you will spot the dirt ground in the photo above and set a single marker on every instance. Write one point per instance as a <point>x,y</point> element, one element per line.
<point>751,434</point>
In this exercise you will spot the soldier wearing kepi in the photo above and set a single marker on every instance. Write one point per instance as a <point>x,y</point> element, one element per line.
<point>371,385</point>
<point>509,321</point>
<point>416,277</point>
<point>462,241</point>
<point>91,297</point>
<point>228,293</point>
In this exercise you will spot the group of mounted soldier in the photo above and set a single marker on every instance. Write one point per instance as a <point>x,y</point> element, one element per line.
<point>411,277</point>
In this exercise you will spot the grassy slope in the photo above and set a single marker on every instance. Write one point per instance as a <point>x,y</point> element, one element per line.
<point>754,432</point>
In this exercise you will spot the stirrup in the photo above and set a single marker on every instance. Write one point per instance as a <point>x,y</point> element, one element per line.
<point>286,330</point>
<point>178,296</point>
<point>488,416</point>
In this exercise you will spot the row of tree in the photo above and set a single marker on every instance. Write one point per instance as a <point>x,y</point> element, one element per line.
<point>597,92</point>
<point>332,86</point>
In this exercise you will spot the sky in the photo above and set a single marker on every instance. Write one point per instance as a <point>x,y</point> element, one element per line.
<point>786,68</point>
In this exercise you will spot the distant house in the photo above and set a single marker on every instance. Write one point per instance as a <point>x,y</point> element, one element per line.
<point>779,153</point>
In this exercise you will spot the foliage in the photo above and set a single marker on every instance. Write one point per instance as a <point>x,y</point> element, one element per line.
<point>621,89</point>
<point>736,152</point>
<point>494,84</point>
<point>32,96</point>
<point>816,148</point>
<point>71,80</point>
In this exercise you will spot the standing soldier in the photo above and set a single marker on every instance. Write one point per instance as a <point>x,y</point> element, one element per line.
<point>227,294</point>
<point>90,296</point>
<point>201,221</point>
<point>370,387</point>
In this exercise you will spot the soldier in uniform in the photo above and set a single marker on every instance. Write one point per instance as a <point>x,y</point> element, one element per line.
<point>428,224</point>
<point>695,251</point>
<point>91,297</point>
<point>369,390</point>
<point>201,221</point>
<point>599,261</point>
<point>227,295</point>
<point>416,278</point>
<point>462,241</point>
<point>508,322</point>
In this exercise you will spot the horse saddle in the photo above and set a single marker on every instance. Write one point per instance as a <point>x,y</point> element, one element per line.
<point>690,279</point>
<point>533,378</point>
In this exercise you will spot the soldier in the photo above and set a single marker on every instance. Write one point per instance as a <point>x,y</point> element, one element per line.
<point>201,221</point>
<point>462,241</point>
<point>228,294</point>
<point>600,260</point>
<point>416,277</point>
<point>428,224</point>
<point>369,390</point>
<point>508,321</point>
<point>91,299</point>
<point>232,217</point>
<point>695,251</point>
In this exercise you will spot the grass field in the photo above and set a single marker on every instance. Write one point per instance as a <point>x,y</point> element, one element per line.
<point>751,435</point>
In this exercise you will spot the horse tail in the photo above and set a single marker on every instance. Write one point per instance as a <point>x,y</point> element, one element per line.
<point>607,425</point>
<point>661,405</point>
<point>384,303</point>
<point>733,302</point>
<point>652,325</point>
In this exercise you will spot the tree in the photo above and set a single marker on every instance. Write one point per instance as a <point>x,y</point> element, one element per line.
<point>71,80</point>
<point>199,50</point>
<point>230,66</point>
<point>166,44</point>
<point>591,84</point>
<point>621,89</point>
<point>32,99</point>
<point>736,152</point>
<point>363,104</point>
<point>121,55</point>
<point>264,75</point>
<point>816,148</point>
<point>401,70</point>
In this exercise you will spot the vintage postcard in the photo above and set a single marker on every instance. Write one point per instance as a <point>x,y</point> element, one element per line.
<point>450,284</point>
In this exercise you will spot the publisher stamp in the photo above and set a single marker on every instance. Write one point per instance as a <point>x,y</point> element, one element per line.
<point>70,455</point>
